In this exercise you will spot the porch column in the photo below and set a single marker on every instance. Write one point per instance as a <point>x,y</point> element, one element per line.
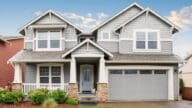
<point>73,73</point>
<point>17,73</point>
<point>171,84</point>
<point>102,86</point>
<point>73,86</point>
<point>102,73</point>
<point>17,82</point>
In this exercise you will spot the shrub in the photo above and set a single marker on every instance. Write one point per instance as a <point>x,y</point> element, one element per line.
<point>50,103</point>
<point>58,95</point>
<point>71,101</point>
<point>2,91</point>
<point>181,83</point>
<point>38,96</point>
<point>12,97</point>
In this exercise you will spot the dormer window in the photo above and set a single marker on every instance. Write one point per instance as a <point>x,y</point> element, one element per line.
<point>48,40</point>
<point>146,40</point>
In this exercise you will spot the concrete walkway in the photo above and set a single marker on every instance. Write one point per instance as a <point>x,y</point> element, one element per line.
<point>171,104</point>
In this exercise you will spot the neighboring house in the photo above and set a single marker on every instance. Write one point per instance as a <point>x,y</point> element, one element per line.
<point>128,57</point>
<point>9,46</point>
<point>186,71</point>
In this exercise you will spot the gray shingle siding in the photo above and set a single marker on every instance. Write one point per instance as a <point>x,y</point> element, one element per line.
<point>142,23</point>
<point>69,33</point>
<point>30,73</point>
<point>66,72</point>
<point>113,46</point>
<point>110,46</point>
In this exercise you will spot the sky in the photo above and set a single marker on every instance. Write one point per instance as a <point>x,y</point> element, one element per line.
<point>89,13</point>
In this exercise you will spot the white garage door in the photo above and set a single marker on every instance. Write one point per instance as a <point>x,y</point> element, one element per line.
<point>138,85</point>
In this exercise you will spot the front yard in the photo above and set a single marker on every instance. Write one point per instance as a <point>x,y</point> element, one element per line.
<point>173,104</point>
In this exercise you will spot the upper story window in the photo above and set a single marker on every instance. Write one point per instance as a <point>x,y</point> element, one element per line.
<point>105,35</point>
<point>146,40</point>
<point>48,40</point>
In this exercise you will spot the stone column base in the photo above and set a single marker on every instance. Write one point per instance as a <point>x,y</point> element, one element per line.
<point>73,91</point>
<point>102,92</point>
<point>17,87</point>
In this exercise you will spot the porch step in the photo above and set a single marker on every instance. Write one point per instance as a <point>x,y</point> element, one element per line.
<point>87,98</point>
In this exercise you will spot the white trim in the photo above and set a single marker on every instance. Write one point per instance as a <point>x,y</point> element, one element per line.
<point>48,41</point>
<point>113,40</point>
<point>116,15</point>
<point>45,13</point>
<point>73,72</point>
<point>102,72</point>
<point>153,12</point>
<point>17,73</point>
<point>170,75</point>
<point>49,65</point>
<point>72,40</point>
<point>87,55</point>
<point>171,84</point>
<point>130,39</point>
<point>84,42</point>
<point>49,26</point>
<point>146,40</point>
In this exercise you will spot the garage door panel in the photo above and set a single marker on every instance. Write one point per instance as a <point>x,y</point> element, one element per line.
<point>138,86</point>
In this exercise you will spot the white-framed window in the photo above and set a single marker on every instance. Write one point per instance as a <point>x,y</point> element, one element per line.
<point>146,40</point>
<point>48,40</point>
<point>105,35</point>
<point>50,73</point>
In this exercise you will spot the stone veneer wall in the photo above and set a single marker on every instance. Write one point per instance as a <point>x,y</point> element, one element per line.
<point>73,90</point>
<point>102,92</point>
<point>17,86</point>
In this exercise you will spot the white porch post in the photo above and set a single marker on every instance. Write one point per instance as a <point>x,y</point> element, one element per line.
<point>102,74</point>
<point>73,74</point>
<point>171,84</point>
<point>17,73</point>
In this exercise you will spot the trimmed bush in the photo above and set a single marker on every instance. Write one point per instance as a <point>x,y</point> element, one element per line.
<point>181,83</point>
<point>71,101</point>
<point>50,103</point>
<point>58,95</point>
<point>38,96</point>
<point>12,97</point>
<point>2,91</point>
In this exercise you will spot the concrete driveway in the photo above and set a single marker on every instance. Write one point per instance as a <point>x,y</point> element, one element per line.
<point>171,104</point>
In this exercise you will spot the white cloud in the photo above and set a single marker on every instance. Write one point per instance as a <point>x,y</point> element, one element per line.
<point>182,17</point>
<point>38,13</point>
<point>87,21</point>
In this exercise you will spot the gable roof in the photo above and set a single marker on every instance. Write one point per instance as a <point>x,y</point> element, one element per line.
<point>154,13</point>
<point>44,14</point>
<point>116,15</point>
<point>6,39</point>
<point>91,42</point>
<point>3,40</point>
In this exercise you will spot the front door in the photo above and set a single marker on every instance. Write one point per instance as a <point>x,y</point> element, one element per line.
<point>86,78</point>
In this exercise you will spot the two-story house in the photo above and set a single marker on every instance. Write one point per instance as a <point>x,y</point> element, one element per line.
<point>127,57</point>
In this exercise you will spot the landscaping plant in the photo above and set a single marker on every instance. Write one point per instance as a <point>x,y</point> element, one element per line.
<point>12,97</point>
<point>38,96</point>
<point>58,95</point>
<point>71,101</point>
<point>50,103</point>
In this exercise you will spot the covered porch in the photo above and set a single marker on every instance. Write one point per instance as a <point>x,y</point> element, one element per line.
<point>80,70</point>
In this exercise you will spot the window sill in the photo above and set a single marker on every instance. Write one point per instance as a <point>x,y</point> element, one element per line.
<point>146,50</point>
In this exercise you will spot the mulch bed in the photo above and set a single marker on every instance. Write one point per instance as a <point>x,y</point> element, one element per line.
<point>29,105</point>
